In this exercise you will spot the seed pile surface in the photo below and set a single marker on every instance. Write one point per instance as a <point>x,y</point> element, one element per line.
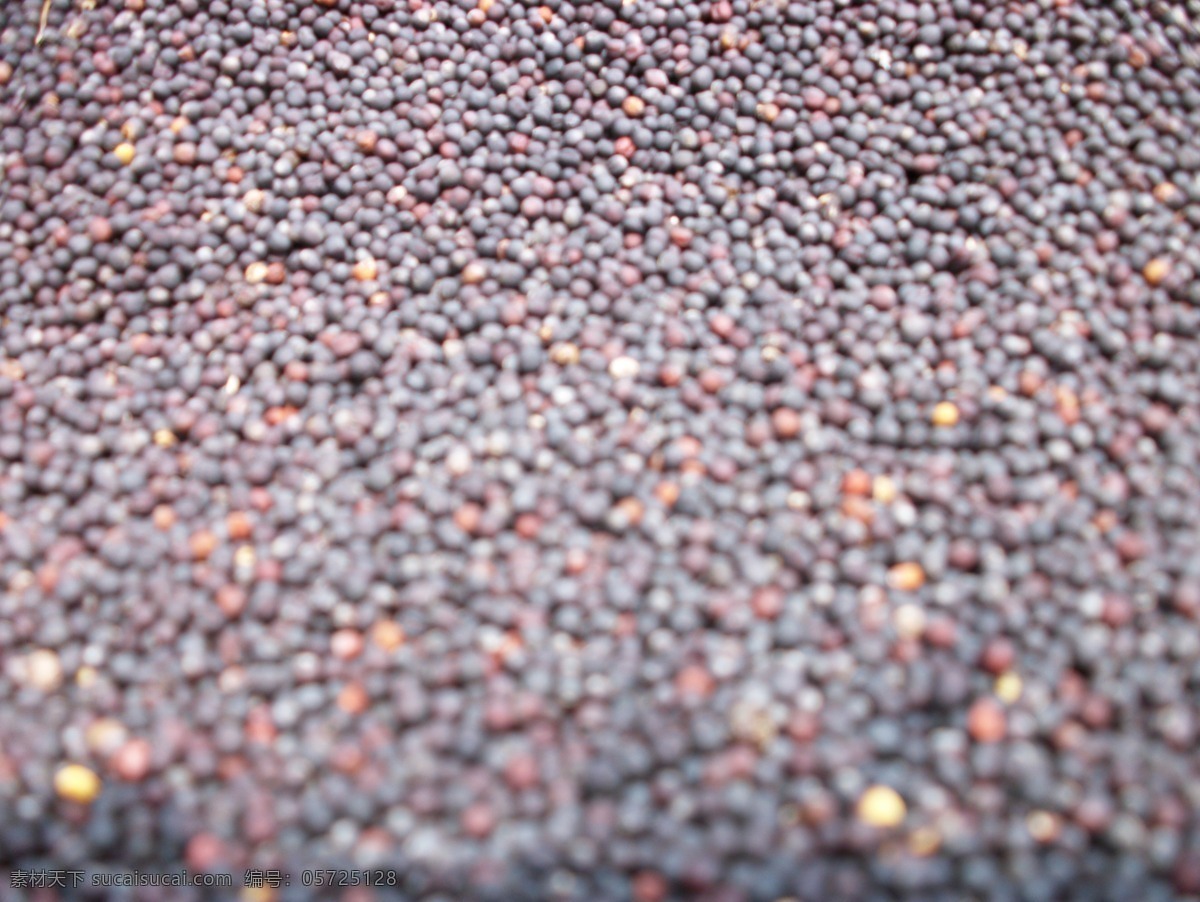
<point>725,450</point>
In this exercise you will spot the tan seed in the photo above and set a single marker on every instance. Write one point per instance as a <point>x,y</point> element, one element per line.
<point>1156,271</point>
<point>906,577</point>
<point>203,544</point>
<point>366,270</point>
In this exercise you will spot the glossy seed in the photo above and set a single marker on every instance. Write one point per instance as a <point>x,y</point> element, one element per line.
<point>882,807</point>
<point>76,783</point>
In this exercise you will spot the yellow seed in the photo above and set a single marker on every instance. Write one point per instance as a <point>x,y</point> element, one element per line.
<point>105,736</point>
<point>1008,687</point>
<point>125,152</point>
<point>1042,825</point>
<point>881,806</point>
<point>164,438</point>
<point>909,621</point>
<point>884,489</point>
<point>76,783</point>
<point>624,368</point>
<point>43,671</point>
<point>945,414</point>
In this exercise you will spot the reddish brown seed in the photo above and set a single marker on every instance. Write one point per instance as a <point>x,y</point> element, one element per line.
<point>767,602</point>
<point>941,632</point>
<point>527,526</point>
<point>203,544</point>
<point>858,508</point>
<point>670,375</point>
<point>353,699</point>
<point>100,229</point>
<point>346,644</point>
<point>132,760</point>
<point>1131,546</point>
<point>366,140</point>
<point>695,681</point>
<point>204,852</point>
<point>348,758</point>
<point>467,517</point>
<point>478,820</point>
<point>722,11</point>
<point>986,721</point>
<point>786,422</point>
<point>231,599</point>
<point>681,237</point>
<point>521,772</point>
<point>238,526</point>
<point>857,482</point>
<point>722,324</point>
<point>276,415</point>
<point>998,656</point>
<point>47,578</point>
<point>1029,382</point>
<point>649,886</point>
